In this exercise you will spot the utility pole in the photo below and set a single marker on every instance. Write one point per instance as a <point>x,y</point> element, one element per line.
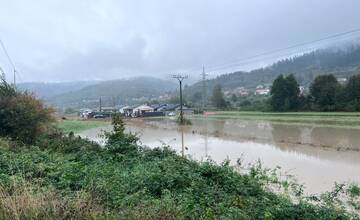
<point>204,88</point>
<point>10,60</point>
<point>2,74</point>
<point>15,79</point>
<point>100,104</point>
<point>180,78</point>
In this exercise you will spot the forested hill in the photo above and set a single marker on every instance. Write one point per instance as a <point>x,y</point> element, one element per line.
<point>340,62</point>
<point>115,92</point>
<point>45,90</point>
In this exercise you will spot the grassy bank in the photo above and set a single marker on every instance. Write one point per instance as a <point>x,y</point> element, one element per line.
<point>326,119</point>
<point>137,183</point>
<point>77,126</point>
<point>65,177</point>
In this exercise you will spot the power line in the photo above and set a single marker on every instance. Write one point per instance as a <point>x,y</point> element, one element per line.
<point>180,78</point>
<point>2,74</point>
<point>7,54</point>
<point>10,60</point>
<point>234,62</point>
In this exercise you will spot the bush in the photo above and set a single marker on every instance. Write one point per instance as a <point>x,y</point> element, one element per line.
<point>185,121</point>
<point>22,117</point>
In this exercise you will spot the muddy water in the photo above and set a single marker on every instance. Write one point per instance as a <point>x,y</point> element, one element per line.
<point>317,156</point>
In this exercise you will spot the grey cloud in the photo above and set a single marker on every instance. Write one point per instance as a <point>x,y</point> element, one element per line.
<point>105,39</point>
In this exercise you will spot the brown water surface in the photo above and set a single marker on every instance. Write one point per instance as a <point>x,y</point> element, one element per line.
<point>317,156</point>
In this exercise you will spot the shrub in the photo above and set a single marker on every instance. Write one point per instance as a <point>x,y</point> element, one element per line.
<point>185,121</point>
<point>22,117</point>
<point>118,134</point>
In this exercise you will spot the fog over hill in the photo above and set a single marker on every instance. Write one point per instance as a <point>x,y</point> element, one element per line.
<point>115,92</point>
<point>342,62</point>
<point>46,90</point>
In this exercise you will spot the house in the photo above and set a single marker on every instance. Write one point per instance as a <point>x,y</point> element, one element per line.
<point>107,109</point>
<point>156,107</point>
<point>168,107</point>
<point>260,87</point>
<point>126,110</point>
<point>262,91</point>
<point>140,110</point>
<point>85,113</point>
<point>342,80</point>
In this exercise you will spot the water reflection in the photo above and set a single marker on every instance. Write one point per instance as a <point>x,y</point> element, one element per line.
<point>182,142</point>
<point>318,156</point>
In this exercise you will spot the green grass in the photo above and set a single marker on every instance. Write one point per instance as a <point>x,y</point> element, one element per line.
<point>78,126</point>
<point>71,178</point>
<point>321,119</point>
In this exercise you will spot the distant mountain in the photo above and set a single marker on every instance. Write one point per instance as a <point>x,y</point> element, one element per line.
<point>114,92</point>
<point>340,62</point>
<point>47,90</point>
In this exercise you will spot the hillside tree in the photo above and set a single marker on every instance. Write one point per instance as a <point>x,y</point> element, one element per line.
<point>285,93</point>
<point>218,97</point>
<point>324,90</point>
<point>352,93</point>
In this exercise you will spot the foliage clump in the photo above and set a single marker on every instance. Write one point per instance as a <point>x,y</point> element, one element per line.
<point>325,94</point>
<point>285,93</point>
<point>185,121</point>
<point>118,133</point>
<point>217,98</point>
<point>22,117</point>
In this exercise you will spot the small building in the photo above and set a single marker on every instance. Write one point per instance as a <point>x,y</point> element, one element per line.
<point>157,107</point>
<point>260,87</point>
<point>262,91</point>
<point>140,110</point>
<point>168,107</point>
<point>342,80</point>
<point>85,113</point>
<point>126,110</point>
<point>107,109</point>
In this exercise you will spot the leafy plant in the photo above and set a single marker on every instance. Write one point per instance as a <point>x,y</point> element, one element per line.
<point>22,117</point>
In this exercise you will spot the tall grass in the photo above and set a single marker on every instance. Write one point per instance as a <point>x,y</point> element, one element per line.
<point>26,202</point>
<point>77,126</point>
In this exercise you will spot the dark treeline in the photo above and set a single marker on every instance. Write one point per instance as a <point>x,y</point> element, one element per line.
<point>325,94</point>
<point>342,62</point>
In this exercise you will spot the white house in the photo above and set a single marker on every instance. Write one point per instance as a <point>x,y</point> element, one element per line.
<point>265,91</point>
<point>138,111</point>
<point>126,110</point>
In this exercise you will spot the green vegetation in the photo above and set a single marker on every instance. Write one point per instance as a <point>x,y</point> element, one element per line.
<point>185,121</point>
<point>343,62</point>
<point>131,91</point>
<point>217,98</point>
<point>285,93</point>
<point>326,94</point>
<point>76,126</point>
<point>22,117</point>
<point>324,119</point>
<point>61,176</point>
<point>67,177</point>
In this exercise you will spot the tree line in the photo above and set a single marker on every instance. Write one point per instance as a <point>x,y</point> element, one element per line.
<point>325,94</point>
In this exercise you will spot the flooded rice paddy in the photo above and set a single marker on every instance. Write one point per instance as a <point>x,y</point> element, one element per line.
<point>317,156</point>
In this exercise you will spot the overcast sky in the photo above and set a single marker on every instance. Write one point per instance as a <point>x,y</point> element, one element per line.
<point>106,39</point>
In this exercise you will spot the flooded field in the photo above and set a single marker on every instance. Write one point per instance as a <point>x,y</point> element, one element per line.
<point>317,156</point>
